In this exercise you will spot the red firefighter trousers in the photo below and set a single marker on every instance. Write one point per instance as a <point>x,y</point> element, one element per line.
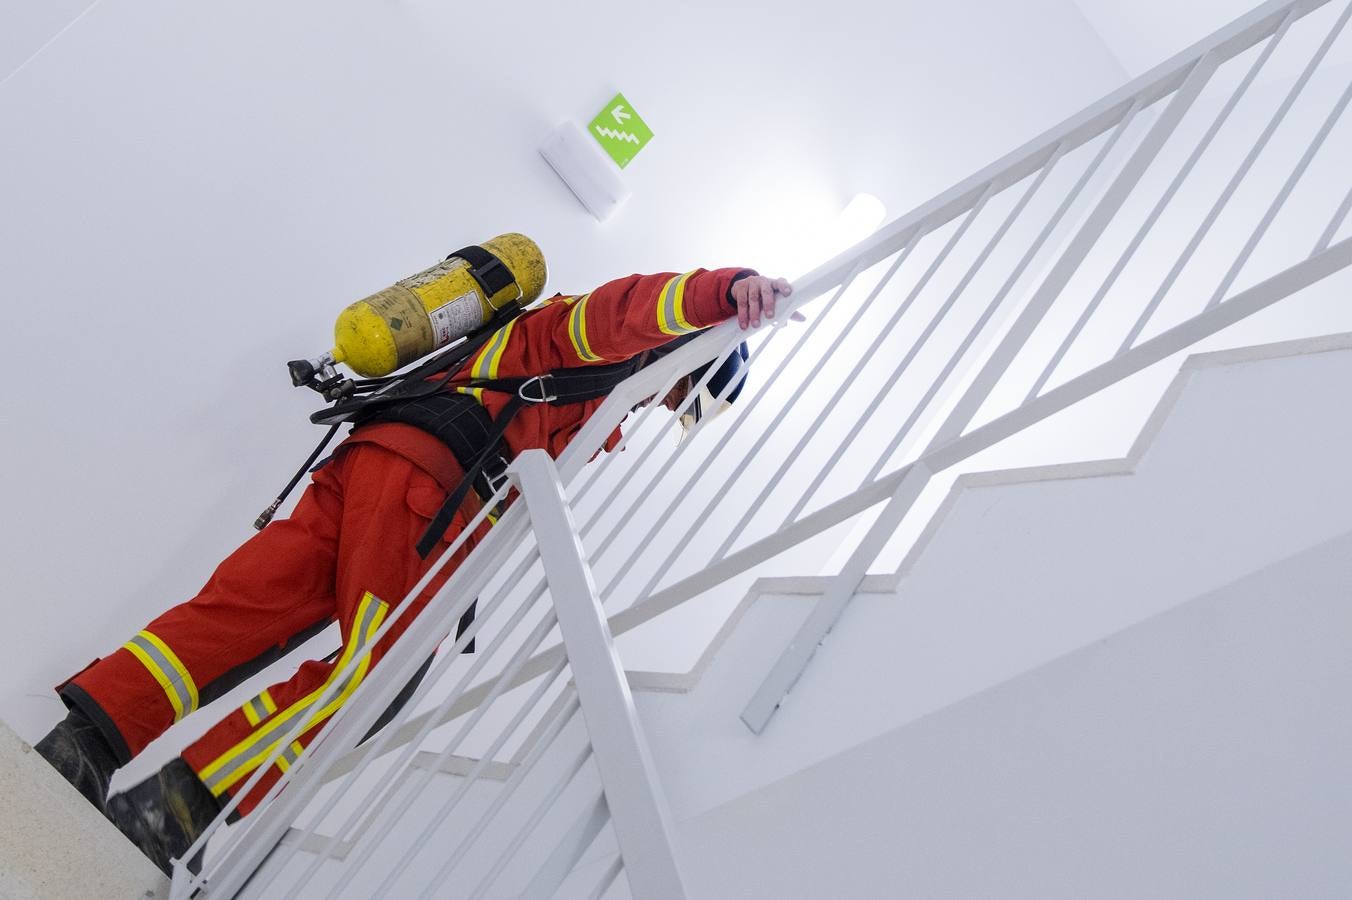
<point>345,553</point>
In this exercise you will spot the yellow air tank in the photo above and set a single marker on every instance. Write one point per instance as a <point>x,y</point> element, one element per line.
<point>425,312</point>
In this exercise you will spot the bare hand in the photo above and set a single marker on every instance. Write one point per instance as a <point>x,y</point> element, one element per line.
<point>757,294</point>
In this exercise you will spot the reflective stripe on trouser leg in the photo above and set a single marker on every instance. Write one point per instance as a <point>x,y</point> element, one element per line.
<point>166,668</point>
<point>256,709</point>
<point>290,755</point>
<point>235,764</point>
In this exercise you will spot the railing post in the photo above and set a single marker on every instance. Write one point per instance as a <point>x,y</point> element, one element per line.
<point>628,775</point>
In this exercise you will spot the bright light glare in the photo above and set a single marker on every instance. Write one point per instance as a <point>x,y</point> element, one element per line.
<point>861,217</point>
<point>800,227</point>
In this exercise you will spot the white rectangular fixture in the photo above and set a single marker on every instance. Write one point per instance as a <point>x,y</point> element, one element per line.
<point>586,169</point>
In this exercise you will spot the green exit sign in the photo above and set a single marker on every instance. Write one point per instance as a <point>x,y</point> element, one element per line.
<point>620,131</point>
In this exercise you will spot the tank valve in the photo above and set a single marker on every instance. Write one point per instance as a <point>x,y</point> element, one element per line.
<point>320,375</point>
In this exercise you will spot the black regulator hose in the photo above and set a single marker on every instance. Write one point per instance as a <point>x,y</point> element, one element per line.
<point>266,515</point>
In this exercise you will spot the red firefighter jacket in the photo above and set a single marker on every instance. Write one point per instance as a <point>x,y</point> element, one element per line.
<point>618,320</point>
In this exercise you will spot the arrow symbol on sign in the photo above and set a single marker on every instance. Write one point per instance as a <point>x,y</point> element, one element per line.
<point>620,115</point>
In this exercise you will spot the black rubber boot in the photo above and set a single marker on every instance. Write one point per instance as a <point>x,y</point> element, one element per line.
<point>165,814</point>
<point>77,749</point>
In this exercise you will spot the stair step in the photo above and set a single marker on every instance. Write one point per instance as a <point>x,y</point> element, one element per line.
<point>54,845</point>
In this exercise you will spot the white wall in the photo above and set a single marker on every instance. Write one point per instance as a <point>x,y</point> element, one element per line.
<point>193,192</point>
<point>1236,473</point>
<point>1198,754</point>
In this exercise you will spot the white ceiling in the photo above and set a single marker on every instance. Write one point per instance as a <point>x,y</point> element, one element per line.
<point>24,33</point>
<point>1143,33</point>
<point>1139,34</point>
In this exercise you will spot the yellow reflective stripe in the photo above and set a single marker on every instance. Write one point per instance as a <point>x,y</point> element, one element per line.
<point>167,669</point>
<point>577,330</point>
<point>158,675</point>
<point>259,708</point>
<point>671,307</point>
<point>241,759</point>
<point>490,357</point>
<point>290,755</point>
<point>236,764</point>
<point>366,622</point>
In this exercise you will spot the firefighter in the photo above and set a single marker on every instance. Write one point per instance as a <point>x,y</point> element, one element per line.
<point>347,553</point>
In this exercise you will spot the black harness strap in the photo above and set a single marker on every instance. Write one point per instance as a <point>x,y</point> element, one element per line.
<point>463,425</point>
<point>559,387</point>
<point>473,471</point>
<point>456,418</point>
<point>489,271</point>
<point>563,386</point>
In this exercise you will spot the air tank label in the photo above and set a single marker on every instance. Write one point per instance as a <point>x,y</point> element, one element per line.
<point>457,318</point>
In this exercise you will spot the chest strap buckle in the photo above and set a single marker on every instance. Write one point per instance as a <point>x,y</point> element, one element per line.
<point>543,385</point>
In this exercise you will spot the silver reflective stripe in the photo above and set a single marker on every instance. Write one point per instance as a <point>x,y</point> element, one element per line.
<point>674,322</point>
<point>485,362</point>
<point>291,754</point>
<point>170,671</point>
<point>576,324</point>
<point>281,726</point>
<point>669,304</point>
<point>259,708</point>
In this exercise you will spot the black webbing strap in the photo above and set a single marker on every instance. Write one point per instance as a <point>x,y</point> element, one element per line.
<point>442,520</point>
<point>563,386</point>
<point>489,271</point>
<point>462,424</point>
<point>557,387</point>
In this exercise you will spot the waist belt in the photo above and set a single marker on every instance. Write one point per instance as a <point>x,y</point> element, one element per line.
<point>466,428</point>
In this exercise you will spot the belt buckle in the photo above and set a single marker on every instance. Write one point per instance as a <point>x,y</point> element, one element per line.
<point>545,395</point>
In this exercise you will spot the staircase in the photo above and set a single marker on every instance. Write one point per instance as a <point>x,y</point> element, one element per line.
<point>1070,555</point>
<point>1114,678</point>
<point>1036,702</point>
<point>55,845</point>
<point>1199,753</point>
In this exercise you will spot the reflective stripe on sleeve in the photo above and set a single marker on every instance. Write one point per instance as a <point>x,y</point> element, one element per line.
<point>671,307</point>
<point>577,330</point>
<point>490,357</point>
<point>166,668</point>
<point>235,764</point>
